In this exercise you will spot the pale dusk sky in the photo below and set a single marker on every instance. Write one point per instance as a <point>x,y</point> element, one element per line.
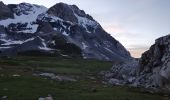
<point>135,23</point>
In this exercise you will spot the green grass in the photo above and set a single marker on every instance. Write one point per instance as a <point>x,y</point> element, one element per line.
<point>53,63</point>
<point>29,87</point>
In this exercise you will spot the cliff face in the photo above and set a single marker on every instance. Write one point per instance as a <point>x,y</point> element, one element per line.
<point>154,65</point>
<point>5,12</point>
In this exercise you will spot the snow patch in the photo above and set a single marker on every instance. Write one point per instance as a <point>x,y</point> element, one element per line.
<point>3,35</point>
<point>55,29</point>
<point>5,47</point>
<point>64,33</point>
<point>48,18</point>
<point>85,21</point>
<point>30,39</point>
<point>44,46</point>
<point>53,42</point>
<point>84,45</point>
<point>109,50</point>
<point>12,42</point>
<point>29,19</point>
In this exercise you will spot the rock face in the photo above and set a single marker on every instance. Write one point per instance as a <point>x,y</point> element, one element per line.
<point>154,66</point>
<point>63,30</point>
<point>151,71</point>
<point>5,12</point>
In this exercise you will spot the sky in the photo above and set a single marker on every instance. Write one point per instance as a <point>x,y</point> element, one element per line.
<point>135,23</point>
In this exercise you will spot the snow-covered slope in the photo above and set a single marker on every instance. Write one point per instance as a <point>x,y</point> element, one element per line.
<point>63,28</point>
<point>25,13</point>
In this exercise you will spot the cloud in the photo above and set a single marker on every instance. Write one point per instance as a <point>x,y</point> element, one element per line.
<point>119,31</point>
<point>133,41</point>
<point>138,46</point>
<point>137,52</point>
<point>114,29</point>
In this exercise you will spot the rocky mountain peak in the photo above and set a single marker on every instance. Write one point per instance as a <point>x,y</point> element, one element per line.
<point>63,11</point>
<point>68,12</point>
<point>63,29</point>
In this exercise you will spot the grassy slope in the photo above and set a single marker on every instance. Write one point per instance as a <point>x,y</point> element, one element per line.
<point>28,87</point>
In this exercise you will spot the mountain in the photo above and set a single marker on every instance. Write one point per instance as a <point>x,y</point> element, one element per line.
<point>63,30</point>
<point>152,70</point>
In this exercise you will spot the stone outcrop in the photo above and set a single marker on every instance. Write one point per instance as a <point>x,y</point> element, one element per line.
<point>152,70</point>
<point>154,66</point>
<point>5,12</point>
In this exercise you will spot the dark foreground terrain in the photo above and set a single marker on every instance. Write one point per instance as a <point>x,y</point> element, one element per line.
<point>20,80</point>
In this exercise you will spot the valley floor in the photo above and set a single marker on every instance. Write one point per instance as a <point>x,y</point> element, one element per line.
<point>20,79</point>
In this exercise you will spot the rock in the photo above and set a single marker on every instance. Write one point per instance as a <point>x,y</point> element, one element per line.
<point>51,75</point>
<point>56,77</point>
<point>115,81</point>
<point>65,78</point>
<point>49,97</point>
<point>155,65</point>
<point>63,11</point>
<point>5,12</point>
<point>3,33</point>
<point>5,89</point>
<point>151,71</point>
<point>91,77</point>
<point>16,75</point>
<point>122,73</point>
<point>41,98</point>
<point>4,98</point>
<point>109,75</point>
